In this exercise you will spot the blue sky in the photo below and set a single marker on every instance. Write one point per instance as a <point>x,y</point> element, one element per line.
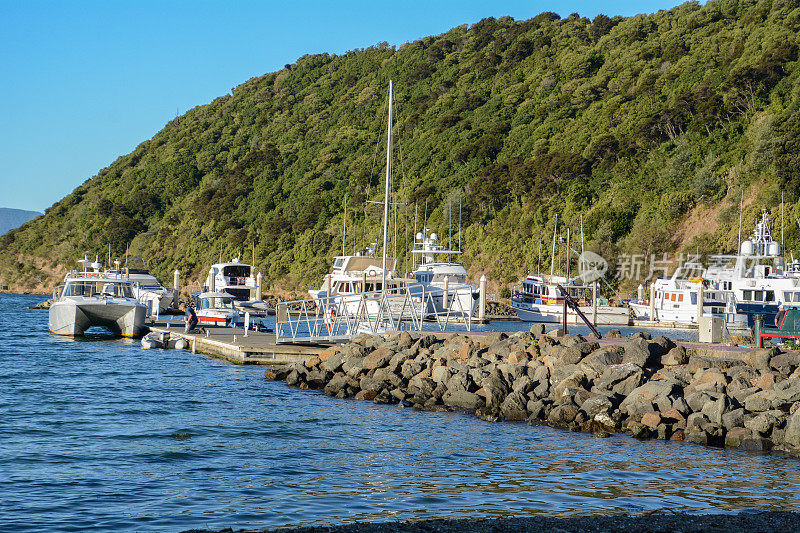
<point>82,83</point>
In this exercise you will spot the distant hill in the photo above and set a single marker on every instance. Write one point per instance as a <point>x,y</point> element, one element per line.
<point>640,133</point>
<point>14,218</point>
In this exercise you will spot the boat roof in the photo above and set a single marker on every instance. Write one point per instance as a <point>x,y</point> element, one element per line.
<point>217,294</point>
<point>362,262</point>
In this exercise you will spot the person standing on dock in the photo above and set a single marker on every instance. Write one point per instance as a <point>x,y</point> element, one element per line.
<point>191,318</point>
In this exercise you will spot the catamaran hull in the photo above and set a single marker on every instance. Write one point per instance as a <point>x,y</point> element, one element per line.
<point>74,318</point>
<point>606,315</point>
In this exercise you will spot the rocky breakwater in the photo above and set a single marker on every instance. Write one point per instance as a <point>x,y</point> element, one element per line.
<point>651,388</point>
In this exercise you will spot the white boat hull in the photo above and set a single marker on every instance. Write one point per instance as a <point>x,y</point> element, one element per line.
<point>606,315</point>
<point>74,317</point>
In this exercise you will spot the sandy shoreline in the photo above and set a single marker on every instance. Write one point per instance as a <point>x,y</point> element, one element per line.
<point>656,522</point>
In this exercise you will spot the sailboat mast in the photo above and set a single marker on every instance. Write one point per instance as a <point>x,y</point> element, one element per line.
<point>344,225</point>
<point>553,253</point>
<point>388,176</point>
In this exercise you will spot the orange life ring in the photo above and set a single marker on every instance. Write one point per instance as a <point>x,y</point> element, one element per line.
<point>240,280</point>
<point>372,273</point>
<point>329,325</point>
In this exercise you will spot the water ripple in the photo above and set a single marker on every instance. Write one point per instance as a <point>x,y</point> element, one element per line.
<point>98,434</point>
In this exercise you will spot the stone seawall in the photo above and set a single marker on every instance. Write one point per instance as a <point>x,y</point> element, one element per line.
<point>649,388</point>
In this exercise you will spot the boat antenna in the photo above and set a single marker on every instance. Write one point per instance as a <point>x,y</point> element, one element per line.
<point>220,252</point>
<point>414,256</point>
<point>782,223</point>
<point>553,253</point>
<point>108,259</point>
<point>386,196</point>
<point>583,249</point>
<point>126,255</point>
<point>425,220</point>
<point>741,205</point>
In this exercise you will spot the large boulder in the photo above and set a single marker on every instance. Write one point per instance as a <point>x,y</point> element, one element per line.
<point>649,393</point>
<point>562,415</point>
<point>514,407</point>
<point>377,358</point>
<point>676,356</point>
<point>601,358</point>
<point>463,400</point>
<point>791,436</point>
<point>760,401</point>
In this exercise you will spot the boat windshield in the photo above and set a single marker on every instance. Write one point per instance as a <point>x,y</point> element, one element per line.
<point>216,302</point>
<point>236,271</point>
<point>96,288</point>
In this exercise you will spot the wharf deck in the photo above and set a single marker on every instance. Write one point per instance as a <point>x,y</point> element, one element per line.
<point>231,344</point>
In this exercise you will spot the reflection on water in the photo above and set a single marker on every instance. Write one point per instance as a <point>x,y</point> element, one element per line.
<point>104,435</point>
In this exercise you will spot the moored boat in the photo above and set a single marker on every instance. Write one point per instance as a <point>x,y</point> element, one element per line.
<point>94,298</point>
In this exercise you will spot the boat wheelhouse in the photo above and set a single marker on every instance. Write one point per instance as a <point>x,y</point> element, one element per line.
<point>235,278</point>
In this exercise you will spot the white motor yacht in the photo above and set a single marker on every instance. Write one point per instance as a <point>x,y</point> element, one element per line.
<point>235,278</point>
<point>94,298</point>
<point>445,279</point>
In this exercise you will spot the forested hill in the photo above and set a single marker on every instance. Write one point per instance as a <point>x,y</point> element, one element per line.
<point>650,127</point>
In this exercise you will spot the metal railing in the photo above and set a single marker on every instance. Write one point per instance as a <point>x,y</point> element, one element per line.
<point>341,317</point>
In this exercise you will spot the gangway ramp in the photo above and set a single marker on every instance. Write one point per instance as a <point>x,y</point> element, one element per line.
<point>341,317</point>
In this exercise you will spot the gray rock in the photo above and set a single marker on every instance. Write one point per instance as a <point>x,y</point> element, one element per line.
<point>650,392</point>
<point>759,401</point>
<point>614,374</point>
<point>697,420</point>
<point>697,400</point>
<point>572,340</point>
<point>463,400</point>
<point>733,419</point>
<point>676,356</point>
<point>334,362</point>
<point>600,359</point>
<point>596,404</point>
<point>523,384</point>
<point>514,407</point>
<point>537,329</point>
<point>637,352</point>
<point>742,394</point>
<point>715,409</point>
<point>761,423</point>
<point>788,391</point>
<point>441,374</point>
<point>336,384</point>
<point>461,382</point>
<point>562,415</point>
<point>614,334</point>
<point>791,436</point>
<point>628,385</point>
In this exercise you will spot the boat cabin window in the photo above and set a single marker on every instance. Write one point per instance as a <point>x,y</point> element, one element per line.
<point>89,288</point>
<point>451,278</point>
<point>423,277</point>
<point>216,303</point>
<point>769,296</point>
<point>236,271</point>
<point>747,295</point>
<point>338,262</point>
<point>693,298</point>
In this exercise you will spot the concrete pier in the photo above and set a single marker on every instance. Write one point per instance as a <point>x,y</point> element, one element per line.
<point>231,344</point>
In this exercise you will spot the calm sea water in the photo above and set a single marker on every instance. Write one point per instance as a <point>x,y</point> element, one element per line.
<point>99,434</point>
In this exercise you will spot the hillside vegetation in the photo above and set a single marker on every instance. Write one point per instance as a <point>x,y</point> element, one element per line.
<point>637,124</point>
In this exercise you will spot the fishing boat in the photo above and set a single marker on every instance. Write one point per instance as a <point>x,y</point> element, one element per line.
<point>216,309</point>
<point>538,299</point>
<point>94,298</point>
<point>234,277</point>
